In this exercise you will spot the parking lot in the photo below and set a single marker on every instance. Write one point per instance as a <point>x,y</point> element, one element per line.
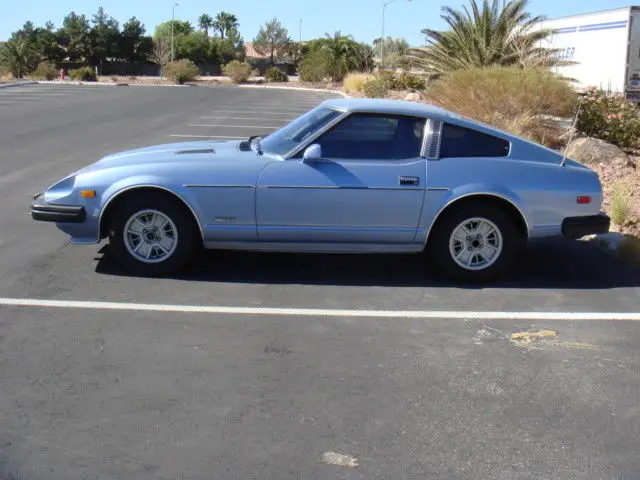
<point>256,365</point>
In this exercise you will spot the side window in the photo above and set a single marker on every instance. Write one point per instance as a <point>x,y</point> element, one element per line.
<point>374,137</point>
<point>465,142</point>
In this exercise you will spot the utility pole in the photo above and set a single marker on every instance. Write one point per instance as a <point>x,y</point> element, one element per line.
<point>300,30</point>
<point>384,11</point>
<point>173,19</point>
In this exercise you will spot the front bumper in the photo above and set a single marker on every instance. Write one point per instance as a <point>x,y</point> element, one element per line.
<point>58,213</point>
<point>576,227</point>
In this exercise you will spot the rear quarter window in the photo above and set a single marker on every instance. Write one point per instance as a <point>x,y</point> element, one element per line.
<point>459,141</point>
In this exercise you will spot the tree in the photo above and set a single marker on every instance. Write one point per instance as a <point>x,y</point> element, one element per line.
<point>395,51</point>
<point>17,57</point>
<point>205,22</point>
<point>486,36</point>
<point>342,54</point>
<point>74,36</point>
<point>180,27</point>
<point>44,42</point>
<point>225,23</point>
<point>197,47</point>
<point>272,39</point>
<point>161,53</point>
<point>231,47</point>
<point>134,46</point>
<point>104,38</point>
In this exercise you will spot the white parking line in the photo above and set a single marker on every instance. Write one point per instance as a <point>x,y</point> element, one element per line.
<point>270,112</point>
<point>313,312</point>
<point>205,136</point>
<point>292,111</point>
<point>243,118</point>
<point>237,126</point>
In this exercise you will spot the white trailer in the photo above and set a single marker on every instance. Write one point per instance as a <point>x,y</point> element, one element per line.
<point>605,46</point>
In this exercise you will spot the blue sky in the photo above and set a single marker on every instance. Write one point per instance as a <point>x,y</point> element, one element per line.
<point>360,18</point>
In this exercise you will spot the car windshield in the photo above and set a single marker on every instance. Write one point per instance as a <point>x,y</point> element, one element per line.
<point>296,132</point>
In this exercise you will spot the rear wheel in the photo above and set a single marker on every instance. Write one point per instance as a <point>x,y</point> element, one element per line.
<point>152,234</point>
<point>475,242</point>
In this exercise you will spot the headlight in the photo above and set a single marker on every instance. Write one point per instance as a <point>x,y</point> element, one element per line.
<point>65,185</point>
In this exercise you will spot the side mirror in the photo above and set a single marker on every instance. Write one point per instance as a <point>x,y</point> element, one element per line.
<point>312,152</point>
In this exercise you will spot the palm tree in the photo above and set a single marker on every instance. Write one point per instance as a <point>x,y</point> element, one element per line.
<point>342,54</point>
<point>17,56</point>
<point>225,23</point>
<point>490,35</point>
<point>205,22</point>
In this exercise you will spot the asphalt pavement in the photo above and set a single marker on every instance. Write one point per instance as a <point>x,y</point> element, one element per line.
<point>92,392</point>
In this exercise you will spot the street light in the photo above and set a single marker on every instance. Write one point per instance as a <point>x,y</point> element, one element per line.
<point>384,10</point>
<point>173,18</point>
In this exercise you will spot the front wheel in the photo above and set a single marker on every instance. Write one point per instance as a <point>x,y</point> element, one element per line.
<point>475,242</point>
<point>152,234</point>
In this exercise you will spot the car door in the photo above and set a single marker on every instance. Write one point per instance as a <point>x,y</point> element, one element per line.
<point>367,187</point>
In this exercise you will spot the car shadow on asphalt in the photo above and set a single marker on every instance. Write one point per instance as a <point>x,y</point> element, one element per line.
<point>548,264</point>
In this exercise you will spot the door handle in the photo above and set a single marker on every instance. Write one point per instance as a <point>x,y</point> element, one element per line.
<point>409,181</point>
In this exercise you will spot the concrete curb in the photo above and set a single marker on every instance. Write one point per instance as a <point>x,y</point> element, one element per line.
<point>304,89</point>
<point>18,84</point>
<point>625,248</point>
<point>73,82</point>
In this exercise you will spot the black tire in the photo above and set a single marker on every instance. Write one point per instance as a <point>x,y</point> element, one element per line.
<point>187,239</point>
<point>513,241</point>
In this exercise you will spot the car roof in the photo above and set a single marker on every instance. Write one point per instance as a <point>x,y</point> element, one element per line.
<point>385,105</point>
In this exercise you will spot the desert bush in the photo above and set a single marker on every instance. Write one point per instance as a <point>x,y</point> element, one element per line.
<point>237,71</point>
<point>44,71</point>
<point>84,74</point>
<point>620,205</point>
<point>410,82</point>
<point>181,71</point>
<point>376,87</point>
<point>314,66</point>
<point>390,78</point>
<point>114,79</point>
<point>355,81</point>
<point>518,100</point>
<point>274,74</point>
<point>609,117</point>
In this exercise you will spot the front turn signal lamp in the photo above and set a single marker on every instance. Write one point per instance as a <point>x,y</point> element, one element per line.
<point>88,193</point>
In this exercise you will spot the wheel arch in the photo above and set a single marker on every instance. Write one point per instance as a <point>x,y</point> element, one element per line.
<point>132,190</point>
<point>501,201</point>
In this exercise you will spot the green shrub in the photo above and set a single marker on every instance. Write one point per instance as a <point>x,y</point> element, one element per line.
<point>314,66</point>
<point>274,74</point>
<point>355,81</point>
<point>510,98</point>
<point>410,82</point>
<point>376,87</point>
<point>181,71</point>
<point>609,117</point>
<point>84,74</point>
<point>620,205</point>
<point>237,71</point>
<point>390,78</point>
<point>44,71</point>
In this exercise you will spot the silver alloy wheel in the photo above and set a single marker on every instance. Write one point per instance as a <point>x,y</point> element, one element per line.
<point>150,236</point>
<point>475,244</point>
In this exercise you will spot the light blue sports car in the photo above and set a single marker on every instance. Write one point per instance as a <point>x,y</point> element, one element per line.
<point>348,176</point>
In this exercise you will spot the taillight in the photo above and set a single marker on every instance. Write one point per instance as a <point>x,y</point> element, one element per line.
<point>583,200</point>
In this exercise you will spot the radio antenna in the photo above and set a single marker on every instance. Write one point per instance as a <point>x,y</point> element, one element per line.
<point>573,129</point>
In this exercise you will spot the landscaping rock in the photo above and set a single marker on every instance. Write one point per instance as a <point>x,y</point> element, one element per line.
<point>593,150</point>
<point>413,97</point>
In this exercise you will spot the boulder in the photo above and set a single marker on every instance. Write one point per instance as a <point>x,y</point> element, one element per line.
<point>413,97</point>
<point>593,150</point>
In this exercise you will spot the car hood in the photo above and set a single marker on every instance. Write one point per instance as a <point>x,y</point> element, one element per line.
<point>208,150</point>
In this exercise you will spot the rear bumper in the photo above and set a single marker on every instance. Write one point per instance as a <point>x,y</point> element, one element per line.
<point>576,227</point>
<point>58,213</point>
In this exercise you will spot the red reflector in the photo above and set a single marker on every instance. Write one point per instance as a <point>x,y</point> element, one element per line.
<point>584,199</point>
